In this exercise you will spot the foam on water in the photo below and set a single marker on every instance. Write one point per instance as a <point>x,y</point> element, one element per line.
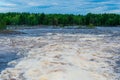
<point>64,55</point>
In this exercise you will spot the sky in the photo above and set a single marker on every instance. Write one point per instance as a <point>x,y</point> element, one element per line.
<point>61,6</point>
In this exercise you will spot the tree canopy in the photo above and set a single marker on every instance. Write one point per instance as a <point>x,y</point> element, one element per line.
<point>59,19</point>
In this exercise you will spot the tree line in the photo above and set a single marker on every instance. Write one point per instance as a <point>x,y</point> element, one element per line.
<point>59,19</point>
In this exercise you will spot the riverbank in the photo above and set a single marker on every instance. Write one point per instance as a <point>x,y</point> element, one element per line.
<point>65,55</point>
<point>17,27</point>
<point>10,32</point>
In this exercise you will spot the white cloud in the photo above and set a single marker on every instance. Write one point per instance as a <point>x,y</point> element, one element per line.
<point>33,4</point>
<point>114,11</point>
<point>61,6</point>
<point>6,4</point>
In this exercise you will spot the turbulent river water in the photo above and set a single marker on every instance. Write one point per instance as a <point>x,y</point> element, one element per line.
<point>55,54</point>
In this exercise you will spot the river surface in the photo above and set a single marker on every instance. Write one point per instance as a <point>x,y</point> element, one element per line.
<point>12,47</point>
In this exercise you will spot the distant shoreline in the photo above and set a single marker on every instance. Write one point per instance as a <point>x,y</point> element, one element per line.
<point>13,30</point>
<point>12,27</point>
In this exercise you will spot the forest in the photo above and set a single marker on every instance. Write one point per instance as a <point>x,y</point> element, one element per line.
<point>62,20</point>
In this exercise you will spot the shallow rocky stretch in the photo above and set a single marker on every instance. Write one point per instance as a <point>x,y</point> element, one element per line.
<point>64,56</point>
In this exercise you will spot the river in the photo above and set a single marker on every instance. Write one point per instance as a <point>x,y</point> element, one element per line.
<point>102,45</point>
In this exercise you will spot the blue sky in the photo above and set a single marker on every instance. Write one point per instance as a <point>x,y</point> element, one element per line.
<point>61,6</point>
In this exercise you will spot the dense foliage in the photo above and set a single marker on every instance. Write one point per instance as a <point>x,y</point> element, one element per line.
<point>2,25</point>
<point>59,19</point>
